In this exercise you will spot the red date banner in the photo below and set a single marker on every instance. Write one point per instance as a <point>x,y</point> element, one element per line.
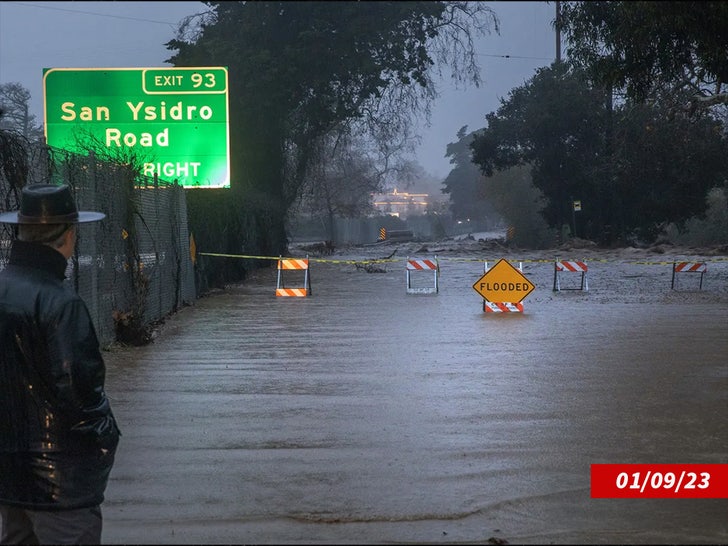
<point>659,481</point>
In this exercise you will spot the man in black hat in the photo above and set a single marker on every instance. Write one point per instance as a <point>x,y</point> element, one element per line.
<point>58,435</point>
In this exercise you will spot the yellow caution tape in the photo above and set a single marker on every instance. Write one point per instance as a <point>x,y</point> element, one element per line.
<point>446,259</point>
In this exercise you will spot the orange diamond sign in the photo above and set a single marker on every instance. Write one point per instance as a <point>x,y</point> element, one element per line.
<point>503,283</point>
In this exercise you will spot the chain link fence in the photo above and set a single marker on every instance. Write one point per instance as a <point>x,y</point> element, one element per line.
<point>134,267</point>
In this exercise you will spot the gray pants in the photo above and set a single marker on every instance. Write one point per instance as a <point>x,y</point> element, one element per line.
<point>20,526</point>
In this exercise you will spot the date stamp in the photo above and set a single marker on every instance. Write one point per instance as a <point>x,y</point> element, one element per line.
<point>659,481</point>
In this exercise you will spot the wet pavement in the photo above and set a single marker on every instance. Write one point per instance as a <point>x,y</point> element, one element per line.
<point>363,414</point>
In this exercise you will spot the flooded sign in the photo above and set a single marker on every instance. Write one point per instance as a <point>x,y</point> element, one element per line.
<point>503,283</point>
<point>174,120</point>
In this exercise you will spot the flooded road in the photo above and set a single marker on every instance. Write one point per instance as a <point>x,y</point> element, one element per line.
<point>363,414</point>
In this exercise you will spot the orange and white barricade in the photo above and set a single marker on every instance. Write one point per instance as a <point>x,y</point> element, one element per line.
<point>293,264</point>
<point>423,265</point>
<point>502,306</point>
<point>689,267</point>
<point>574,267</point>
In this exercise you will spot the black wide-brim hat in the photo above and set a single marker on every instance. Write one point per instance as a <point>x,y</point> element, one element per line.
<point>49,204</point>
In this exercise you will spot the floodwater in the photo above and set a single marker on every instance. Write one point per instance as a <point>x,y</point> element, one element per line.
<point>364,414</point>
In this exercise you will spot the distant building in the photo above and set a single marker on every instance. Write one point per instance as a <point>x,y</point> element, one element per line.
<point>401,204</point>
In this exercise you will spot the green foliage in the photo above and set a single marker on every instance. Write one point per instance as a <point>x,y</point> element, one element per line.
<point>214,224</point>
<point>633,168</point>
<point>710,229</point>
<point>297,69</point>
<point>221,225</point>
<point>663,167</point>
<point>300,69</point>
<point>521,205</point>
<point>555,123</point>
<point>644,46</point>
<point>464,184</point>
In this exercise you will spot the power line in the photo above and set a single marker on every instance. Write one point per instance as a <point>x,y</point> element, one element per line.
<point>514,57</point>
<point>94,14</point>
<point>174,24</point>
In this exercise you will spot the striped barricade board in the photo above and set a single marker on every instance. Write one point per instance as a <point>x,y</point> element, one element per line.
<point>573,267</point>
<point>502,307</point>
<point>293,264</point>
<point>426,265</point>
<point>503,287</point>
<point>688,267</point>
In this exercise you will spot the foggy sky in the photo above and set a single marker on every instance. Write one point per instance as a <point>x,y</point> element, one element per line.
<point>37,35</point>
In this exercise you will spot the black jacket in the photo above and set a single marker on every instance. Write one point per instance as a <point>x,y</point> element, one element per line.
<point>58,435</point>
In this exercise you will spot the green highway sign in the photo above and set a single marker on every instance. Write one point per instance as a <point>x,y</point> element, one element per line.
<point>175,120</point>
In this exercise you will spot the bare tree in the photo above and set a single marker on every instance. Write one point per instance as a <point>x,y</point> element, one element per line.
<point>299,70</point>
<point>15,101</point>
<point>14,170</point>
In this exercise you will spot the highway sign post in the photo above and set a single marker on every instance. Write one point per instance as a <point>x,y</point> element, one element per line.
<point>175,119</point>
